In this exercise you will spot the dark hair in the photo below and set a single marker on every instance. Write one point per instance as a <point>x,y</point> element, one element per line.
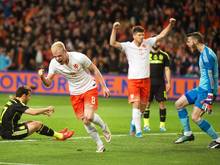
<point>137,29</point>
<point>196,35</point>
<point>22,90</point>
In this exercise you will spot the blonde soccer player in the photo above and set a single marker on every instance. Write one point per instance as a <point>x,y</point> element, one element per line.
<point>75,67</point>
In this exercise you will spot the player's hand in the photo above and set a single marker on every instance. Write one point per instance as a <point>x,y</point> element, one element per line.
<point>49,111</point>
<point>41,72</point>
<point>106,92</point>
<point>207,103</point>
<point>116,25</point>
<point>167,87</point>
<point>172,21</point>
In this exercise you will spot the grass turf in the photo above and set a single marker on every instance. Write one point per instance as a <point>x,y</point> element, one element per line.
<point>154,148</point>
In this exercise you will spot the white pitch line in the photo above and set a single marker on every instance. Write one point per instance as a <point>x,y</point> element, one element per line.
<point>8,163</point>
<point>117,135</point>
<point>145,134</point>
<point>17,141</point>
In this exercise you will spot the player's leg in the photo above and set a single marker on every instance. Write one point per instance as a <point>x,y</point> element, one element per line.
<point>19,132</point>
<point>136,118</point>
<point>105,129</point>
<point>147,110</point>
<point>40,128</point>
<point>91,102</point>
<point>161,97</point>
<point>146,116</point>
<point>146,97</point>
<point>204,124</point>
<point>86,115</point>
<point>163,114</point>
<point>25,129</point>
<point>180,104</point>
<point>91,130</point>
<point>134,99</point>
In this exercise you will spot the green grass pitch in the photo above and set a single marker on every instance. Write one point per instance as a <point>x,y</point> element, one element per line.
<point>154,148</point>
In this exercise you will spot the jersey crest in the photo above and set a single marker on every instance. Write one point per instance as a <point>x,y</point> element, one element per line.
<point>76,66</point>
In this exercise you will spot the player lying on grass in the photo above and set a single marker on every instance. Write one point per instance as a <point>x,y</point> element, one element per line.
<point>12,129</point>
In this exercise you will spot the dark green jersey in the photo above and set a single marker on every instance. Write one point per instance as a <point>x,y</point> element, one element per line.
<point>11,114</point>
<point>158,61</point>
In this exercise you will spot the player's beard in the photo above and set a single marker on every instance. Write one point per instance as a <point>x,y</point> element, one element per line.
<point>193,48</point>
<point>25,101</point>
<point>61,62</point>
<point>155,48</point>
<point>141,40</point>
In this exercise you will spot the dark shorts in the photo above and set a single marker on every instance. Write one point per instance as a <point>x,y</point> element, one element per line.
<point>20,132</point>
<point>158,92</point>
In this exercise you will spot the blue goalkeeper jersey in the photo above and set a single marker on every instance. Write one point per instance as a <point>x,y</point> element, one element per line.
<point>208,64</point>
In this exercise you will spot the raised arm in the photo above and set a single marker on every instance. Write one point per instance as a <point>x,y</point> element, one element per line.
<point>46,80</point>
<point>113,41</point>
<point>165,31</point>
<point>93,69</point>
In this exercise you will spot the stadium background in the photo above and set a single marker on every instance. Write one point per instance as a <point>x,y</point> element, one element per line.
<point>28,28</point>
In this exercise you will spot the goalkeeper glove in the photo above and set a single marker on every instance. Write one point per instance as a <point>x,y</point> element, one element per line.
<point>207,103</point>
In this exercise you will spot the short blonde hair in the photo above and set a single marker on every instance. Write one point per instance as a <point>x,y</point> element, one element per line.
<point>57,45</point>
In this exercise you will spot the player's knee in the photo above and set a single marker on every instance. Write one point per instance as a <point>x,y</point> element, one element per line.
<point>142,109</point>
<point>37,124</point>
<point>86,121</point>
<point>195,118</point>
<point>178,104</point>
<point>136,104</point>
<point>162,106</point>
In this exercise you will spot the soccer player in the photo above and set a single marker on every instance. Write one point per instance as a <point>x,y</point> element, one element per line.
<point>11,128</point>
<point>75,67</point>
<point>159,73</point>
<point>137,53</point>
<point>203,96</point>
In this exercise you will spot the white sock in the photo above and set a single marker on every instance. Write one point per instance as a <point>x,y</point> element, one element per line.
<point>136,116</point>
<point>188,133</point>
<point>132,122</point>
<point>93,133</point>
<point>218,140</point>
<point>98,121</point>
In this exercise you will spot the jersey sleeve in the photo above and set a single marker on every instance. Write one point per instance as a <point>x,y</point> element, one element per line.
<point>150,41</point>
<point>166,60</point>
<point>20,107</point>
<point>124,45</point>
<point>84,60</point>
<point>209,63</point>
<point>52,68</point>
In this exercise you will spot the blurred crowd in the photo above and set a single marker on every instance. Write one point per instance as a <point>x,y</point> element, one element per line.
<point>29,27</point>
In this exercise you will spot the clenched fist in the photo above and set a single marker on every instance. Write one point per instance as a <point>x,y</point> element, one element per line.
<point>172,21</point>
<point>116,25</point>
<point>41,72</point>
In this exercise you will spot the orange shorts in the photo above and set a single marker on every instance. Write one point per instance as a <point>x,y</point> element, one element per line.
<point>89,98</point>
<point>138,90</point>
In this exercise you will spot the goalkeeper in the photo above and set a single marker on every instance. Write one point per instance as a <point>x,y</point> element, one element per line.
<point>203,96</point>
